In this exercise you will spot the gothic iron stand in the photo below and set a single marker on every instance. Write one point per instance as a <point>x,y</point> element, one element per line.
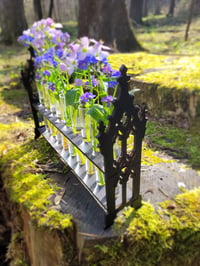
<point>125,132</point>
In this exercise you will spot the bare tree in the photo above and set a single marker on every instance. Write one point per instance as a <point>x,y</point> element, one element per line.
<point>12,19</point>
<point>171,8</point>
<point>107,20</point>
<point>145,8</point>
<point>136,10</point>
<point>51,6</point>
<point>157,7</point>
<point>38,9</point>
<point>191,12</point>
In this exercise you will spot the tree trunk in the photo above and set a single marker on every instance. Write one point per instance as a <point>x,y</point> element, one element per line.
<point>171,8</point>
<point>157,7</point>
<point>107,20</point>
<point>122,32</point>
<point>12,20</point>
<point>196,10</point>
<point>136,10</point>
<point>191,11</point>
<point>145,8</point>
<point>51,6</point>
<point>38,9</point>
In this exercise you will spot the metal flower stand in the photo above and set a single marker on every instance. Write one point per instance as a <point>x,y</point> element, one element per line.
<point>117,161</point>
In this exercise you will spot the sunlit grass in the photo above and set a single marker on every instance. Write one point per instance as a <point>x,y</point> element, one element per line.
<point>161,34</point>
<point>180,143</point>
<point>164,70</point>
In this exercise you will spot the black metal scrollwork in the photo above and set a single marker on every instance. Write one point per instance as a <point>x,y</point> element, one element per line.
<point>126,129</point>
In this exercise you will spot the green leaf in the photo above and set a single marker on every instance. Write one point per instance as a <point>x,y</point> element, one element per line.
<point>72,96</point>
<point>97,112</point>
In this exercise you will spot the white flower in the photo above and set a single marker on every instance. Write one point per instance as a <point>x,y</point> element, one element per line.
<point>181,184</point>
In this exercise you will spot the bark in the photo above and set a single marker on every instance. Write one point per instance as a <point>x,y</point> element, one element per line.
<point>157,7</point>
<point>145,8</point>
<point>51,6</point>
<point>196,9</point>
<point>12,20</point>
<point>107,20</point>
<point>38,9</point>
<point>123,34</point>
<point>136,10</point>
<point>171,8</point>
<point>191,12</point>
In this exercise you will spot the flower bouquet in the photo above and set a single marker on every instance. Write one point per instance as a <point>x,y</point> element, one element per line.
<point>74,81</point>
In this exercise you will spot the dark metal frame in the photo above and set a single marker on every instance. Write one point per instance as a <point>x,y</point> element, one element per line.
<point>122,175</point>
<point>126,119</point>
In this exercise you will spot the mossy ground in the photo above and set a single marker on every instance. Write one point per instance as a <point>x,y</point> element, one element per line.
<point>169,236</point>
<point>179,72</point>
<point>21,170</point>
<point>165,35</point>
<point>21,156</point>
<point>180,143</point>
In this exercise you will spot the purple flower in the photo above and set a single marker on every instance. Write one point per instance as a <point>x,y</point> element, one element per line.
<point>46,73</point>
<point>48,21</point>
<point>37,76</point>
<point>65,37</point>
<point>70,64</point>
<point>108,100</point>
<point>59,51</point>
<point>63,67</point>
<point>83,64</point>
<point>48,57</point>
<point>95,82</point>
<point>112,84</point>
<point>86,97</point>
<point>51,86</point>
<point>116,73</point>
<point>107,69</point>
<point>78,82</point>
<point>91,59</point>
<point>104,59</point>
<point>25,40</point>
<point>38,61</point>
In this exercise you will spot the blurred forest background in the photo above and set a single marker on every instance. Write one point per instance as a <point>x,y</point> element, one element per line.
<point>111,21</point>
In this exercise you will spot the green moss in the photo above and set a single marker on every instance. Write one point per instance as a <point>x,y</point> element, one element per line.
<point>136,62</point>
<point>166,71</point>
<point>15,252</point>
<point>167,236</point>
<point>28,187</point>
<point>150,157</point>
